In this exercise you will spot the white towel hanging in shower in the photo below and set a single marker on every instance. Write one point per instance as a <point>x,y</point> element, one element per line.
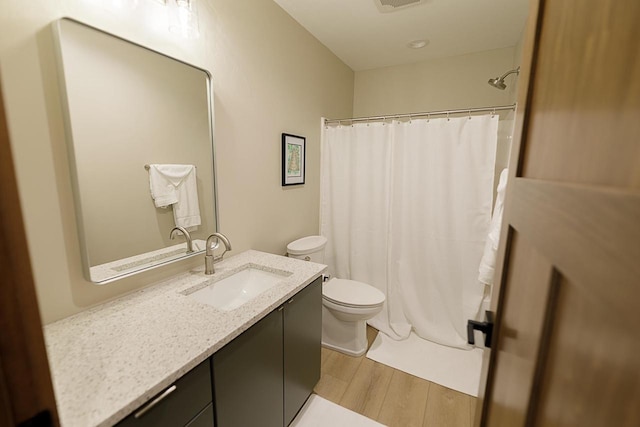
<point>488,263</point>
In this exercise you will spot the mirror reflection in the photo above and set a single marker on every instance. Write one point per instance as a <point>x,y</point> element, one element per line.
<point>139,127</point>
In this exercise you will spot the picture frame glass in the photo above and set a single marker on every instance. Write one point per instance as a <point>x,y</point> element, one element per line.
<point>293,159</point>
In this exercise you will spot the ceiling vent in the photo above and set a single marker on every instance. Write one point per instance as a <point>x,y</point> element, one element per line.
<point>386,6</point>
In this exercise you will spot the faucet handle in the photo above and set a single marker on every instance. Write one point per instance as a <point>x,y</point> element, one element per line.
<point>209,259</point>
<point>217,237</point>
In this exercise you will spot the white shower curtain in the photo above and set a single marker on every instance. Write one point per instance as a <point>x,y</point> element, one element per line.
<point>406,207</point>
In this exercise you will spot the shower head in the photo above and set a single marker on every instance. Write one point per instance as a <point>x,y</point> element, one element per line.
<point>498,82</point>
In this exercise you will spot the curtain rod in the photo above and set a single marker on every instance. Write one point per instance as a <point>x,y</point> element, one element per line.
<point>428,113</point>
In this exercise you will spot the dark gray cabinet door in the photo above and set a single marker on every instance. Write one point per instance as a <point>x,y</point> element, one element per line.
<point>302,341</point>
<point>204,418</point>
<point>247,376</point>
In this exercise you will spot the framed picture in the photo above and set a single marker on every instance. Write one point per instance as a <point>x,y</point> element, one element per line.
<point>293,159</point>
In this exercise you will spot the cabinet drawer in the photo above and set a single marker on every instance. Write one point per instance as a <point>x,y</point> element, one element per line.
<point>177,404</point>
<point>204,418</point>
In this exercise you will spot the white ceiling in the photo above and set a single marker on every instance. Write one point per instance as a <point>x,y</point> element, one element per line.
<point>365,38</point>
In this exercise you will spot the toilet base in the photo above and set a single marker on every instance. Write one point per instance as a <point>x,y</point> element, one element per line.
<point>344,350</point>
<point>348,337</point>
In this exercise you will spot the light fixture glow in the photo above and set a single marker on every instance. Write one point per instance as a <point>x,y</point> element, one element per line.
<point>418,44</point>
<point>183,18</point>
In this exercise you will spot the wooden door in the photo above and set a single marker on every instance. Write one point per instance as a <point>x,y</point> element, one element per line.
<point>568,311</point>
<point>26,393</point>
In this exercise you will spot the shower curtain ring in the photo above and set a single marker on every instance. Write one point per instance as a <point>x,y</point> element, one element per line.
<point>428,118</point>
<point>493,114</point>
<point>448,116</point>
<point>469,114</point>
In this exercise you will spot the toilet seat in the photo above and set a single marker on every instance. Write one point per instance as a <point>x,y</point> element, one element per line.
<point>353,294</point>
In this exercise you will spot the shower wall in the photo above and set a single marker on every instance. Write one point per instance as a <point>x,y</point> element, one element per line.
<point>453,82</point>
<point>444,83</point>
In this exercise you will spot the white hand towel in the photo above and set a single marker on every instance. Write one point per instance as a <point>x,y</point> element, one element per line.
<point>176,185</point>
<point>488,262</point>
<point>163,189</point>
<point>186,212</point>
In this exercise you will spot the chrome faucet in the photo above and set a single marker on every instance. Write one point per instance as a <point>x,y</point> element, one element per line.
<point>186,235</point>
<point>209,259</point>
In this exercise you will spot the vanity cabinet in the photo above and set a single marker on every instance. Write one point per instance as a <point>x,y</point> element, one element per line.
<point>264,376</point>
<point>247,377</point>
<point>188,401</point>
<point>204,418</point>
<point>302,332</point>
<point>260,379</point>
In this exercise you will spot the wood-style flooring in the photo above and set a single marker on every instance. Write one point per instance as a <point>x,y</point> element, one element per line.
<point>390,396</point>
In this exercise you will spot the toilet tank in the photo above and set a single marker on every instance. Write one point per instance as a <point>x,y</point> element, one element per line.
<point>310,248</point>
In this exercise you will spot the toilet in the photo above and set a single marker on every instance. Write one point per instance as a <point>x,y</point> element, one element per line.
<point>346,304</point>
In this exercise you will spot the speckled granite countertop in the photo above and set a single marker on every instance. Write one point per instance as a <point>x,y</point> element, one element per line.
<point>108,360</point>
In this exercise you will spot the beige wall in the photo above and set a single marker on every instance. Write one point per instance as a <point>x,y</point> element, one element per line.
<point>437,84</point>
<point>440,84</point>
<point>269,76</point>
<point>517,60</point>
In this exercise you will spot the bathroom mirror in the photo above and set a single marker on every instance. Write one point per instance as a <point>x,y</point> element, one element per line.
<point>127,107</point>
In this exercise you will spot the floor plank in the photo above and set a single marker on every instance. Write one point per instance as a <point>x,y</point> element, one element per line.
<point>473,406</point>
<point>340,365</point>
<point>405,402</point>
<point>446,407</point>
<point>388,395</point>
<point>367,390</point>
<point>331,388</point>
<point>372,333</point>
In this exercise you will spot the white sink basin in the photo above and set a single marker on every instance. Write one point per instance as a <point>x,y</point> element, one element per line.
<point>233,291</point>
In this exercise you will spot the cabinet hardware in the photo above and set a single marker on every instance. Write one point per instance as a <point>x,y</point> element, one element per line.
<point>281,308</point>
<point>290,301</point>
<point>155,401</point>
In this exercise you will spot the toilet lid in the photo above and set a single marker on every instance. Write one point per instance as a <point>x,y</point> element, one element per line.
<point>306,245</point>
<point>350,292</point>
